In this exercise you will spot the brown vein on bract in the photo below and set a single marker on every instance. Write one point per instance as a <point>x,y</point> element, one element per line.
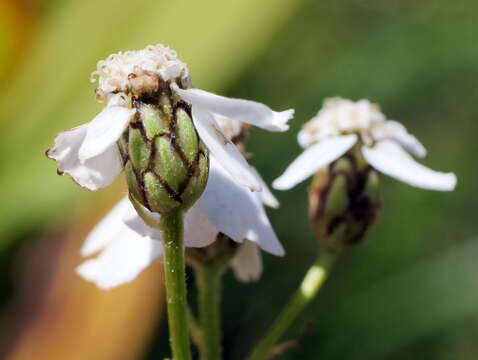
<point>190,167</point>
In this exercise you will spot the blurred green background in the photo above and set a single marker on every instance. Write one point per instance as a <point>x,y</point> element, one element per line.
<point>410,291</point>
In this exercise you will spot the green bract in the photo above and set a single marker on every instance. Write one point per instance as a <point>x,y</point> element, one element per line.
<point>166,164</point>
<point>344,201</point>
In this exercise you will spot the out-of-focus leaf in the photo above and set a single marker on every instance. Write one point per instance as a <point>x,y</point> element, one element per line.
<point>420,299</point>
<point>51,92</point>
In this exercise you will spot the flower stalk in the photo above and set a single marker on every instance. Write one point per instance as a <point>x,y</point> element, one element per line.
<point>209,298</point>
<point>307,291</point>
<point>171,224</point>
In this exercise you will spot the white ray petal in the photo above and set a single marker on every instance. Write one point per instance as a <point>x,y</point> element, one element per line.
<point>395,131</point>
<point>94,173</point>
<point>122,260</point>
<point>106,230</point>
<point>389,158</point>
<point>198,230</point>
<point>314,158</point>
<point>106,128</point>
<point>266,195</point>
<point>245,111</point>
<point>132,220</point>
<point>224,150</point>
<point>237,212</point>
<point>247,262</point>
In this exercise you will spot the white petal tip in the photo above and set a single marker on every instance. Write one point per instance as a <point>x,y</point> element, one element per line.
<point>391,159</point>
<point>421,152</point>
<point>273,203</point>
<point>280,253</point>
<point>281,119</point>
<point>270,245</point>
<point>88,249</point>
<point>282,184</point>
<point>274,248</point>
<point>89,271</point>
<point>448,182</point>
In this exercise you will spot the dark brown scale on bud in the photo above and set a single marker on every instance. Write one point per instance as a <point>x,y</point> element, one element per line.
<point>165,162</point>
<point>344,201</point>
<point>241,138</point>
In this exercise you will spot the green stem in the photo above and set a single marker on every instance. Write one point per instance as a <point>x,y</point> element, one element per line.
<point>175,281</point>
<point>209,293</point>
<point>195,331</point>
<point>308,289</point>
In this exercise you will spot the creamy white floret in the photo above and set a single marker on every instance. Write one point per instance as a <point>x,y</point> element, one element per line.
<point>342,117</point>
<point>132,70</point>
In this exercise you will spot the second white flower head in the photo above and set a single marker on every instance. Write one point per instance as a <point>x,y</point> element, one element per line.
<point>340,125</point>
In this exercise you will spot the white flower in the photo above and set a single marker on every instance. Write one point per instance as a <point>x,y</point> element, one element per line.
<point>340,125</point>
<point>126,245</point>
<point>89,153</point>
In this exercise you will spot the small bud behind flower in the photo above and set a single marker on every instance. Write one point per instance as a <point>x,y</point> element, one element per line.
<point>220,252</point>
<point>166,164</point>
<point>344,201</point>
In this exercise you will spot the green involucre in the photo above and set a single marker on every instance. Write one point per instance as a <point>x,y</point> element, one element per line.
<point>166,164</point>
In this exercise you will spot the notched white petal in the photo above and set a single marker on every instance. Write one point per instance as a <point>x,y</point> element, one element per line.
<point>224,150</point>
<point>390,159</point>
<point>247,262</point>
<point>245,111</point>
<point>237,212</point>
<point>312,159</point>
<point>106,128</point>
<point>94,173</point>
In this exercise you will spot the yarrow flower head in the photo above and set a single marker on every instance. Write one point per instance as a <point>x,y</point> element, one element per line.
<point>127,239</point>
<point>346,143</point>
<point>384,144</point>
<point>159,130</point>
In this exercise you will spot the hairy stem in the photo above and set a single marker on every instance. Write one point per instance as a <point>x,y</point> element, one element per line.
<point>209,293</point>
<point>175,281</point>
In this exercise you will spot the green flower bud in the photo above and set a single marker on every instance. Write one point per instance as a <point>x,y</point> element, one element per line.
<point>165,162</point>
<point>344,201</point>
